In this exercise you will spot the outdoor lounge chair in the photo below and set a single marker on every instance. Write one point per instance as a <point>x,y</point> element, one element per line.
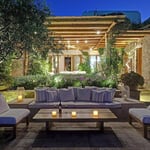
<point>11,117</point>
<point>141,115</point>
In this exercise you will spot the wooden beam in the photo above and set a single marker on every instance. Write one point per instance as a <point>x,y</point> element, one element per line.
<point>112,25</point>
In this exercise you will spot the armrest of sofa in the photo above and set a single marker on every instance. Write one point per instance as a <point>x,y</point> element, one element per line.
<point>40,105</point>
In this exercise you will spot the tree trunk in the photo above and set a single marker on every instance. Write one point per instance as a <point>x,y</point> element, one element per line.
<point>25,63</point>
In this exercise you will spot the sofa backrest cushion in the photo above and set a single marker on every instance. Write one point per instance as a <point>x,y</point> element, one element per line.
<point>66,95</point>
<point>107,96</point>
<point>97,96</point>
<point>74,90</point>
<point>3,104</point>
<point>84,94</point>
<point>52,96</point>
<point>40,94</point>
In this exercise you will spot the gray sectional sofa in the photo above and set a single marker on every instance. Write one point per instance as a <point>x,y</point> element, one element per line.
<point>75,97</point>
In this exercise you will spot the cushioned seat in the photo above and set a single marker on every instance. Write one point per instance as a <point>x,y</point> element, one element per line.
<point>75,97</point>
<point>142,115</point>
<point>11,117</point>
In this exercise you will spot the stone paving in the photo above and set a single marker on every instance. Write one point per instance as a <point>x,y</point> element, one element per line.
<point>130,138</point>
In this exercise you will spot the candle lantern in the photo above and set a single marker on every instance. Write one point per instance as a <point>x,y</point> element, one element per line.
<point>20,93</point>
<point>73,113</point>
<point>95,113</point>
<point>54,113</point>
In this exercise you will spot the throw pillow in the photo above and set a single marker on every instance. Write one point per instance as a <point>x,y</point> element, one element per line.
<point>51,96</point>
<point>74,91</point>
<point>66,95</point>
<point>97,96</point>
<point>107,96</point>
<point>40,94</point>
<point>83,94</point>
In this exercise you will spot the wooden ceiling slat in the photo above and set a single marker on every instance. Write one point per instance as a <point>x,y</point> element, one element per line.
<point>77,36</point>
<point>97,22</point>
<point>76,28</point>
<point>83,28</point>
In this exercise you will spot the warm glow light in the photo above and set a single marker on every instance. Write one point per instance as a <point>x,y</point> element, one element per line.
<point>68,42</point>
<point>54,113</point>
<point>20,98</point>
<point>98,32</point>
<point>59,41</point>
<point>86,41</point>
<point>73,113</point>
<point>95,113</point>
<point>77,41</point>
<point>90,49</point>
<point>69,46</point>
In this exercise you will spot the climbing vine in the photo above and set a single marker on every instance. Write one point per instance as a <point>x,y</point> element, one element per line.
<point>112,57</point>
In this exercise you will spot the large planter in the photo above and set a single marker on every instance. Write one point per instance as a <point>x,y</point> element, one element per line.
<point>135,94</point>
<point>132,79</point>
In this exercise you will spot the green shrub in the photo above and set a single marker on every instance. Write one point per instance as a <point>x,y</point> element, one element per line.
<point>62,81</point>
<point>31,81</point>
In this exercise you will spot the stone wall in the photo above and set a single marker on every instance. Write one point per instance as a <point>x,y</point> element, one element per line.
<point>146,61</point>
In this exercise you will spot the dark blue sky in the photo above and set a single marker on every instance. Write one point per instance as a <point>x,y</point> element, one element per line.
<point>77,7</point>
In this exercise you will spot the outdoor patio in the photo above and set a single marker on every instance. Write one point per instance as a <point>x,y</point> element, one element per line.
<point>117,135</point>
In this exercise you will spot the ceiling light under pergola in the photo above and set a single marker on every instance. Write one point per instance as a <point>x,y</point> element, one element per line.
<point>98,32</point>
<point>85,41</point>
<point>77,41</point>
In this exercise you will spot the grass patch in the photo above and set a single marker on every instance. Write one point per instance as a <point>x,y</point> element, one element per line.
<point>12,94</point>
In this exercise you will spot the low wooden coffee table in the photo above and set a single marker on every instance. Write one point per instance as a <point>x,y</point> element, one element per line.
<point>83,115</point>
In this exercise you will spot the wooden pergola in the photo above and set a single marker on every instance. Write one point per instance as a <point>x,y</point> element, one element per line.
<point>90,32</point>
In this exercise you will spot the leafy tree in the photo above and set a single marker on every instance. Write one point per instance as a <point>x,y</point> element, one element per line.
<point>85,66</point>
<point>5,68</point>
<point>22,27</point>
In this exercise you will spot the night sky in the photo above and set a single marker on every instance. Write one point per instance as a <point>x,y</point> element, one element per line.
<point>77,7</point>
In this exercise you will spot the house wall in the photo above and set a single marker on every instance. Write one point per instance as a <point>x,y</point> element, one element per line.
<point>61,63</point>
<point>146,60</point>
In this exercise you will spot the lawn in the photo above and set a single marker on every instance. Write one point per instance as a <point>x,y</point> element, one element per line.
<point>12,94</point>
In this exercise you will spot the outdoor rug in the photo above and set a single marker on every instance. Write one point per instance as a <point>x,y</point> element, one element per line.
<point>77,139</point>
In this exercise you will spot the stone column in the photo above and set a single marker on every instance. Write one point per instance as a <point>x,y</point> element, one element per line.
<point>146,61</point>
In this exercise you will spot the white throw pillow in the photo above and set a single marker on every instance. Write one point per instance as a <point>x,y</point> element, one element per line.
<point>3,104</point>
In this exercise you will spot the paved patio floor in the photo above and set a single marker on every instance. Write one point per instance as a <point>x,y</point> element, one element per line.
<point>129,137</point>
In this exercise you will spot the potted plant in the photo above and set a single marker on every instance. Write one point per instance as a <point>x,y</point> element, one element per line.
<point>132,79</point>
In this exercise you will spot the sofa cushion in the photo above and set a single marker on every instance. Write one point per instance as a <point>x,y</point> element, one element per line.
<point>107,96</point>
<point>66,95</point>
<point>13,116</point>
<point>97,96</point>
<point>74,90</point>
<point>43,105</point>
<point>3,104</point>
<point>84,94</point>
<point>90,105</point>
<point>40,94</point>
<point>143,114</point>
<point>52,96</point>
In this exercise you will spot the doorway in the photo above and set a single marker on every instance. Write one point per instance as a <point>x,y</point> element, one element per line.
<point>67,64</point>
